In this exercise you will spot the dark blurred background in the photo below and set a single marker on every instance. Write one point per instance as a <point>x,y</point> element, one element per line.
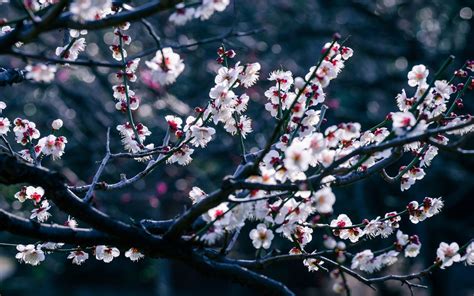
<point>388,38</point>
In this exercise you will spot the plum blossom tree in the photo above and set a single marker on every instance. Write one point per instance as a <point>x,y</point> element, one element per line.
<point>283,189</point>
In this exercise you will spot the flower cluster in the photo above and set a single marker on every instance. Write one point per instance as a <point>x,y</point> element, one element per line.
<point>278,193</point>
<point>34,255</point>
<point>370,261</point>
<point>133,134</point>
<point>87,10</point>
<point>225,105</point>
<point>422,110</point>
<point>26,134</point>
<point>29,254</point>
<point>203,11</point>
<point>429,208</point>
<point>51,145</point>
<point>40,72</point>
<point>36,194</point>
<point>71,50</point>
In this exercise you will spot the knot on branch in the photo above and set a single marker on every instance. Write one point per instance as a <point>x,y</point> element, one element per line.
<point>10,76</point>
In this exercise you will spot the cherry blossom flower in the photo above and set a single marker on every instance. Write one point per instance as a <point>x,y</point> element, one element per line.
<point>78,257</point>
<point>118,53</point>
<point>409,178</point>
<point>312,264</point>
<point>134,254</point>
<point>201,135</point>
<point>448,254</point>
<point>362,259</point>
<point>71,52</point>
<point>402,121</point>
<point>228,76</point>
<point>86,10</point>
<point>241,103</point>
<point>432,206</point>
<point>249,76</point>
<point>181,15</point>
<point>52,145</point>
<point>462,131</point>
<point>41,213</point>
<point>222,95</point>
<point>244,125</point>
<point>197,194</point>
<point>25,131</point>
<point>219,215</point>
<point>284,79</point>
<point>208,7</point>
<point>174,122</point>
<point>343,222</point>
<point>105,253</point>
<point>166,66</point>
<point>34,193</point>
<point>443,88</point>
<point>182,156</point>
<point>402,239</point>
<point>297,157</point>
<point>71,222</point>
<point>261,236</point>
<point>417,75</point>
<point>29,254</point>
<point>324,199</point>
<point>50,246</point>
<point>21,195</point>
<point>389,258</point>
<point>4,126</point>
<point>412,250</point>
<point>2,106</point>
<point>128,136</point>
<point>212,235</point>
<point>40,72</point>
<point>404,103</point>
<point>469,256</point>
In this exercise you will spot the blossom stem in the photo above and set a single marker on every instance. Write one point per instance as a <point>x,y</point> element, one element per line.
<point>242,144</point>
<point>356,225</point>
<point>286,116</point>
<point>33,152</point>
<point>460,93</point>
<point>127,96</point>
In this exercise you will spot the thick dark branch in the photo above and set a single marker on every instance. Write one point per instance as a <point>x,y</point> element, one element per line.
<point>27,32</point>
<point>15,171</point>
<point>186,219</point>
<point>10,76</point>
<point>145,10</point>
<point>261,283</point>
<point>53,233</point>
<point>156,227</point>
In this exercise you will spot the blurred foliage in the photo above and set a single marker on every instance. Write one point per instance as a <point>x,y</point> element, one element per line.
<point>388,38</point>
